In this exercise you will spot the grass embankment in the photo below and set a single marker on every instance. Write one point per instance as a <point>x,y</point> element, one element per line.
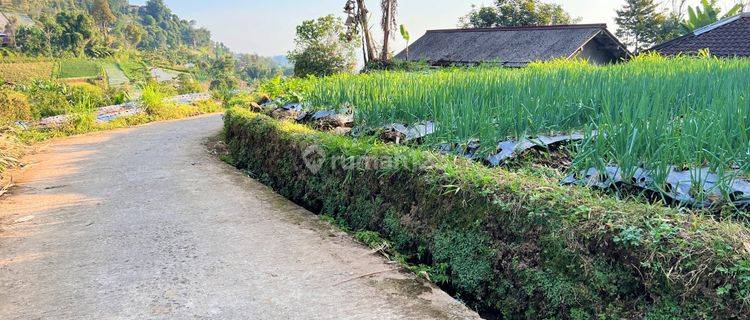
<point>514,242</point>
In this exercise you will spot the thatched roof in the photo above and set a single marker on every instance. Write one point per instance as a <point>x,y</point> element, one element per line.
<point>510,46</point>
<point>727,38</point>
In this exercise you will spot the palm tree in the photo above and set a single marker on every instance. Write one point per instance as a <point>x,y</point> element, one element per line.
<point>358,16</point>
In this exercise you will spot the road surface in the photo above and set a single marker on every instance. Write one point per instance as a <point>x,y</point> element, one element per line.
<point>144,223</point>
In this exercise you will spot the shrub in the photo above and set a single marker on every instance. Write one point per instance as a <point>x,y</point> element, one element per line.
<point>186,84</point>
<point>285,89</point>
<point>14,105</point>
<point>80,122</point>
<point>87,95</point>
<point>48,98</point>
<point>242,99</point>
<point>117,95</point>
<point>152,97</point>
<point>512,242</point>
<point>11,149</point>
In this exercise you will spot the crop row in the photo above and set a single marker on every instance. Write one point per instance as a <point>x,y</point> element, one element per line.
<point>653,112</point>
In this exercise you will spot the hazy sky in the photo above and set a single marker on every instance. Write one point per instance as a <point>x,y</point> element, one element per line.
<point>267,27</point>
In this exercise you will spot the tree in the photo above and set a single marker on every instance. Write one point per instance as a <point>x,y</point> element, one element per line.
<point>483,17</point>
<point>638,23</point>
<point>51,29</point>
<point>706,14</point>
<point>103,14</point>
<point>157,10</point>
<point>388,23</point>
<point>252,67</point>
<point>322,48</point>
<point>221,71</point>
<point>119,6</point>
<point>33,41</point>
<point>512,13</point>
<point>134,33</point>
<point>357,20</point>
<point>76,31</point>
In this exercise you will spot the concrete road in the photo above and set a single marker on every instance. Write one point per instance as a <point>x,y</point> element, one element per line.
<point>145,223</point>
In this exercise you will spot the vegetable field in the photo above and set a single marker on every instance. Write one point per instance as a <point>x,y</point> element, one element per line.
<point>115,75</point>
<point>134,68</point>
<point>20,72</point>
<point>79,68</point>
<point>653,113</point>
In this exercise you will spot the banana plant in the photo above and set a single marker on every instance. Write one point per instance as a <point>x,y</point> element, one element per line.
<point>407,37</point>
<point>706,14</point>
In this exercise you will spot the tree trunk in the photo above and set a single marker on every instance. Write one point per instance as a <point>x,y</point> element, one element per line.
<point>369,45</point>
<point>386,30</point>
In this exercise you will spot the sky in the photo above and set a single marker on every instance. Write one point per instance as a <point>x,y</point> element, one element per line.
<point>267,27</point>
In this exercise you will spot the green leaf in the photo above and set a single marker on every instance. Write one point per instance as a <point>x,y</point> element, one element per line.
<point>734,11</point>
<point>405,33</point>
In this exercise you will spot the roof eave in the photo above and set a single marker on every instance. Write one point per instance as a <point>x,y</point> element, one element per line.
<point>624,49</point>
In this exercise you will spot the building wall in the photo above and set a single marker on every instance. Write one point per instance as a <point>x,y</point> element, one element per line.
<point>596,54</point>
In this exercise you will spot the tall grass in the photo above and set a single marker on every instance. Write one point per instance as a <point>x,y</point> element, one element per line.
<point>154,101</point>
<point>650,112</point>
<point>11,149</point>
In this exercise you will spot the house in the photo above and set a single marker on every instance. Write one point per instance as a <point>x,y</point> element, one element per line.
<point>517,46</point>
<point>727,38</point>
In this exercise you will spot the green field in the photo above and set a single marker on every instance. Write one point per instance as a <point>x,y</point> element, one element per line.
<point>79,68</point>
<point>649,113</point>
<point>135,69</point>
<point>115,75</point>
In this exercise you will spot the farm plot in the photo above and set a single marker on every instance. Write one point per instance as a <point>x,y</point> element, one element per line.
<point>20,72</point>
<point>655,114</point>
<point>135,69</point>
<point>164,75</point>
<point>115,75</point>
<point>79,68</point>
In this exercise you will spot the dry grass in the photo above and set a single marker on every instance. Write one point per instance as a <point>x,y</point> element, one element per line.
<point>11,150</point>
<point>25,71</point>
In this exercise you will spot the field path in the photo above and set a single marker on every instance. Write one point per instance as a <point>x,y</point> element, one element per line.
<point>144,223</point>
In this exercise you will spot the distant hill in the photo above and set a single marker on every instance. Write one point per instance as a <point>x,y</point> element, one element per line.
<point>37,7</point>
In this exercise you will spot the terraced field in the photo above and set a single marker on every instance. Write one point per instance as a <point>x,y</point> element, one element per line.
<point>164,75</point>
<point>79,68</point>
<point>115,75</point>
<point>678,127</point>
<point>20,72</point>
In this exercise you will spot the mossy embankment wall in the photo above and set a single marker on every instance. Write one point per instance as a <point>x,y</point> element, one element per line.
<point>512,242</point>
